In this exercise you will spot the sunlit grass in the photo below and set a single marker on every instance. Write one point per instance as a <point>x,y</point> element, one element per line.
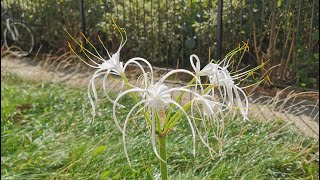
<point>46,133</point>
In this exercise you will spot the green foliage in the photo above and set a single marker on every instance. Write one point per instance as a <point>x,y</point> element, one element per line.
<point>165,32</point>
<point>46,132</point>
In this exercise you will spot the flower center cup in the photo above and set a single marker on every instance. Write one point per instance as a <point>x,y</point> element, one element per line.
<point>113,63</point>
<point>158,96</point>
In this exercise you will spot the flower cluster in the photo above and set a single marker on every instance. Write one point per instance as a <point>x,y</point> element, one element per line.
<point>205,113</point>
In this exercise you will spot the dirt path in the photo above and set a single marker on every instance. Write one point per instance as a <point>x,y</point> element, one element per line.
<point>34,71</point>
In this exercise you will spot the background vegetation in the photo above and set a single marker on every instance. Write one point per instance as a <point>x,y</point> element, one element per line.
<point>168,32</point>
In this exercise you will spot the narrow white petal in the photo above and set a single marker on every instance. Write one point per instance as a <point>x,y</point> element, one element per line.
<point>243,110</point>
<point>104,81</point>
<point>116,101</point>
<point>190,123</point>
<point>139,65</point>
<point>96,74</point>
<point>181,71</point>
<point>203,121</point>
<point>196,67</point>
<point>143,60</point>
<point>125,126</point>
<point>104,85</point>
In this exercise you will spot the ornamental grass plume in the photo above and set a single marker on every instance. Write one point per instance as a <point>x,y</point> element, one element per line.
<point>205,113</point>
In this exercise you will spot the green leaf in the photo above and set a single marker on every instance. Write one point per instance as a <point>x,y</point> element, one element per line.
<point>149,175</point>
<point>105,174</point>
<point>98,150</point>
<point>279,2</point>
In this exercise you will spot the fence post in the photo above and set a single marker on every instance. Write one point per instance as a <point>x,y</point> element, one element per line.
<point>219,30</point>
<point>82,20</point>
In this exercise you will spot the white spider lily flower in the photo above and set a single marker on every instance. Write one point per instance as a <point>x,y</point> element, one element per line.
<point>115,67</point>
<point>221,77</point>
<point>154,98</point>
<point>112,66</point>
<point>225,80</point>
<point>113,63</point>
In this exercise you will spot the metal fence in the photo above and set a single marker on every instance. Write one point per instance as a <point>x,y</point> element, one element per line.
<point>168,32</point>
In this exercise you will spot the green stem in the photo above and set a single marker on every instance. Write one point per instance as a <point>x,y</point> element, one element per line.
<point>177,99</point>
<point>175,118</point>
<point>163,155</point>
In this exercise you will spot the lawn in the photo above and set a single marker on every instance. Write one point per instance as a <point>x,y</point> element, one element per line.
<point>47,133</point>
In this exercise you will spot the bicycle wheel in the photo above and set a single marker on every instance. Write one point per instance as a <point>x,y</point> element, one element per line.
<point>19,40</point>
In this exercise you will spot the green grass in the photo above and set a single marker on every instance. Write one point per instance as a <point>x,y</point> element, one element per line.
<point>46,133</point>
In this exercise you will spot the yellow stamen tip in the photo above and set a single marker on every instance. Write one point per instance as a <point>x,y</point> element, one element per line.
<point>269,80</point>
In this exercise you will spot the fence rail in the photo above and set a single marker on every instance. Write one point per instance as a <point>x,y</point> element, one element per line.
<point>168,32</point>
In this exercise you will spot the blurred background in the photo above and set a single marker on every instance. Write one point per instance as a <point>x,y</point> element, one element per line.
<point>167,32</point>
